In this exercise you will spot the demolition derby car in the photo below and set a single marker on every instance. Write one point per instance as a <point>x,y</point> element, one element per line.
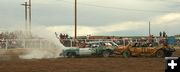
<point>146,49</point>
<point>98,48</point>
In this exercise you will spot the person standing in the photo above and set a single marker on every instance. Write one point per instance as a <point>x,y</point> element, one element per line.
<point>164,34</point>
<point>160,34</point>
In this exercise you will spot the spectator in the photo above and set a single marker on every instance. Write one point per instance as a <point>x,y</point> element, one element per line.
<point>164,34</point>
<point>66,36</point>
<point>160,34</point>
<point>60,36</point>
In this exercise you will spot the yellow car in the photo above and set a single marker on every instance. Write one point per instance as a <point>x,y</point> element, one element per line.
<point>147,49</point>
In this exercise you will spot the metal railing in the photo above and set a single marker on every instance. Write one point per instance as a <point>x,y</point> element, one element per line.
<point>72,42</point>
<point>26,43</point>
<point>45,43</point>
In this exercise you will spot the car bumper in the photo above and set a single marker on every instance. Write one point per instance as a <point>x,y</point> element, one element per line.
<point>171,49</point>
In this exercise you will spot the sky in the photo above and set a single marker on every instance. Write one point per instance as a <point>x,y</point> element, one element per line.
<point>95,17</point>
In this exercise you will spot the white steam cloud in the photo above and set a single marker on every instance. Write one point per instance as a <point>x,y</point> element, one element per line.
<point>41,53</point>
<point>51,51</point>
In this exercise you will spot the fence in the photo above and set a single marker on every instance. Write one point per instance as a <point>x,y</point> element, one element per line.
<point>72,42</point>
<point>26,43</point>
<point>79,42</point>
<point>44,43</point>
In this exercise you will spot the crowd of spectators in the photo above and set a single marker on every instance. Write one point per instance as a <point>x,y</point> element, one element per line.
<point>120,41</point>
<point>68,41</point>
<point>65,39</point>
<point>9,39</point>
<point>8,35</point>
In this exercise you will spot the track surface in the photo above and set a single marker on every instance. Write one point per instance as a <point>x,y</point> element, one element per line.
<point>114,64</point>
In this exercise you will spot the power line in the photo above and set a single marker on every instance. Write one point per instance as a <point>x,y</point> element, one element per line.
<point>126,9</point>
<point>172,1</point>
<point>165,1</point>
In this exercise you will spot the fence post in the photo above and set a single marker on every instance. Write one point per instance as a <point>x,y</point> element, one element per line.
<point>40,43</point>
<point>6,43</point>
<point>70,42</point>
<point>24,43</point>
<point>124,42</point>
<point>85,40</point>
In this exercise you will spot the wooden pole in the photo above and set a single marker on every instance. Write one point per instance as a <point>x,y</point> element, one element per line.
<point>75,31</point>
<point>30,17</point>
<point>149,28</point>
<point>26,17</point>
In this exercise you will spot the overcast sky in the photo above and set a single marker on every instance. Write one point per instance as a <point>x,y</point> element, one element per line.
<point>95,17</point>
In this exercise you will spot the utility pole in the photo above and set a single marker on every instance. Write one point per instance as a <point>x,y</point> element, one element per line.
<point>75,31</point>
<point>30,17</point>
<point>26,22</point>
<point>149,28</point>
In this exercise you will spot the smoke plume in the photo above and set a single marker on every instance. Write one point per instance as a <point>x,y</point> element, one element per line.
<point>48,50</point>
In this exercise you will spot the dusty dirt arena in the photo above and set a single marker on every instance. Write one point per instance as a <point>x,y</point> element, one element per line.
<point>10,62</point>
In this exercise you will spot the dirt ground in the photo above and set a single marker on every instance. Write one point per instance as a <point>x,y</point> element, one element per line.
<point>11,63</point>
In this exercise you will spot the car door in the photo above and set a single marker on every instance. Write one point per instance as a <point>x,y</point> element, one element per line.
<point>150,49</point>
<point>98,49</point>
<point>85,51</point>
<point>145,48</point>
<point>136,49</point>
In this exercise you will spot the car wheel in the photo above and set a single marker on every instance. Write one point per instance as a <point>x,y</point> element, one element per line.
<point>71,55</point>
<point>160,54</point>
<point>126,54</point>
<point>106,53</point>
